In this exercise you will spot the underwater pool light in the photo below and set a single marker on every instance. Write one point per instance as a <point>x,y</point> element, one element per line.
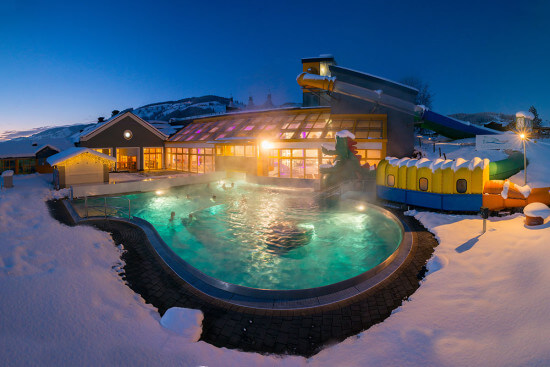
<point>360,207</point>
<point>159,192</point>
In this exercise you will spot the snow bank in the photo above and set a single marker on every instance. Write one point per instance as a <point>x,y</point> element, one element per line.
<point>184,321</point>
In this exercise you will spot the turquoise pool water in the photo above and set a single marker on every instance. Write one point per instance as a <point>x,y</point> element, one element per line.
<point>268,237</point>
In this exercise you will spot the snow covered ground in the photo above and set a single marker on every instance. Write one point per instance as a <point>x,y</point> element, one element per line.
<point>484,302</point>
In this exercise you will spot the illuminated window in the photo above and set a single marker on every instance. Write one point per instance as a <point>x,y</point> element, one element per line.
<point>249,151</point>
<point>152,158</point>
<point>239,151</point>
<point>312,152</point>
<point>390,180</point>
<point>461,186</point>
<point>423,184</point>
<point>297,152</point>
<point>298,169</point>
<point>302,134</point>
<point>347,124</point>
<point>315,135</point>
<point>293,126</point>
<point>229,150</point>
<point>219,150</point>
<point>285,152</point>
<point>320,125</point>
<point>286,135</point>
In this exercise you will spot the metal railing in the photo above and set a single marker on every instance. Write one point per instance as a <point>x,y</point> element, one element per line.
<point>338,189</point>
<point>105,207</point>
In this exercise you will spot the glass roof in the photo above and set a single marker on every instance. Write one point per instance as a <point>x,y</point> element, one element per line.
<point>298,124</point>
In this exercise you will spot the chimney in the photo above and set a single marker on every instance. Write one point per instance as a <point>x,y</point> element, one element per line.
<point>101,119</point>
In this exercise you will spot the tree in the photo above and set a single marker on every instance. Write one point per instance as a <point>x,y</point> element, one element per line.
<point>425,95</point>
<point>537,121</point>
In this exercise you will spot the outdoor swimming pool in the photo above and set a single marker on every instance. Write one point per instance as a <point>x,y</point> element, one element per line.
<point>268,237</point>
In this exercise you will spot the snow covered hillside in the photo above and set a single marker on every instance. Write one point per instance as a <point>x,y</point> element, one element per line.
<point>187,107</point>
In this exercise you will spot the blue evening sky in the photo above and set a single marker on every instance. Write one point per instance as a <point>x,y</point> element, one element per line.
<point>67,62</point>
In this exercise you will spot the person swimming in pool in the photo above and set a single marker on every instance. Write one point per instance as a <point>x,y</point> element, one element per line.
<point>172,216</point>
<point>187,221</point>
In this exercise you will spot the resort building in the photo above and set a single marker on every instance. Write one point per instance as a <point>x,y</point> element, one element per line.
<point>135,143</point>
<point>275,143</point>
<point>272,142</point>
<point>23,157</point>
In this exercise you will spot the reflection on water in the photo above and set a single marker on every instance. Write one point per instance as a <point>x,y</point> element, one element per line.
<point>268,237</point>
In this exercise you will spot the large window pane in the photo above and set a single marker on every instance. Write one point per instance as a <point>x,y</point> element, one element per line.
<point>298,168</point>
<point>273,167</point>
<point>285,168</point>
<point>193,166</point>
<point>312,168</point>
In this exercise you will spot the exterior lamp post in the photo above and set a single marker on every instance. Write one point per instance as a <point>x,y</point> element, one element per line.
<point>523,138</point>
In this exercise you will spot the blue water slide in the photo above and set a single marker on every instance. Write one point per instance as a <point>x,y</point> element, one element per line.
<point>452,128</point>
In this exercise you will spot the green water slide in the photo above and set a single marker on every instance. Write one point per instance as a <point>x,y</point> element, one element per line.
<point>503,169</point>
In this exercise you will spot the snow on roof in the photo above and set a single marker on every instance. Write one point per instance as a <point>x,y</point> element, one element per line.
<point>381,78</point>
<point>345,134</point>
<point>23,147</point>
<point>412,162</point>
<point>392,160</point>
<point>73,152</point>
<point>459,163</point>
<point>527,115</point>
<point>423,162</point>
<point>437,164</point>
<point>403,162</point>
<point>447,164</point>
<point>478,162</point>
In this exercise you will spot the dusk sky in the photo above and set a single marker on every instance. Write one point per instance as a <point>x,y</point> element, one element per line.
<point>70,62</point>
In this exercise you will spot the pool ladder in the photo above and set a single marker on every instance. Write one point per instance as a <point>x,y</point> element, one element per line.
<point>105,206</point>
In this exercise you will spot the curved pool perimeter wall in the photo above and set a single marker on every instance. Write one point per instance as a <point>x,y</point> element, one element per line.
<point>271,299</point>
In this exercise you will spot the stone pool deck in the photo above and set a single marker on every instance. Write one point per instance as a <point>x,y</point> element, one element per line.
<point>300,332</point>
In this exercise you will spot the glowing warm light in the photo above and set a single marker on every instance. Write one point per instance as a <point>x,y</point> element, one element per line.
<point>522,136</point>
<point>127,134</point>
<point>361,207</point>
<point>159,192</point>
<point>267,145</point>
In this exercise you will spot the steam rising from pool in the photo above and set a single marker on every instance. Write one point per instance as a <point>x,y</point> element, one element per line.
<point>268,237</point>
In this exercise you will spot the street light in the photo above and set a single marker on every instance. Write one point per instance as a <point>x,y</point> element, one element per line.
<point>523,137</point>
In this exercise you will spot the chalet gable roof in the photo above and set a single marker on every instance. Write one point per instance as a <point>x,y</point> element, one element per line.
<point>118,118</point>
